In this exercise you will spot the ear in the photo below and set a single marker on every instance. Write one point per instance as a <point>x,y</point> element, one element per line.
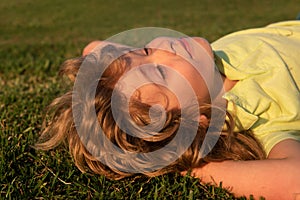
<point>88,48</point>
<point>203,120</point>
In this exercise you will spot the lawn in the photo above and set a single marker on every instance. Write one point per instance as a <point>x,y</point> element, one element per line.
<point>37,36</point>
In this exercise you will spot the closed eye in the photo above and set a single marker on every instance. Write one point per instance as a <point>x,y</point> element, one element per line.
<point>161,71</point>
<point>146,50</point>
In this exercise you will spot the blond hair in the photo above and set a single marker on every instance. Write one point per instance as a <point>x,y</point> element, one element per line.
<point>61,128</point>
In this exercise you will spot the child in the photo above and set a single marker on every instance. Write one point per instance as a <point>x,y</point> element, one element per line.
<point>255,150</point>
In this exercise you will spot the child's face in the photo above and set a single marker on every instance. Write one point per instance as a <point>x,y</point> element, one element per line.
<point>162,60</point>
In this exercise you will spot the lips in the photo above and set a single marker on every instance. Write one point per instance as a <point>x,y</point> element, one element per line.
<point>186,45</point>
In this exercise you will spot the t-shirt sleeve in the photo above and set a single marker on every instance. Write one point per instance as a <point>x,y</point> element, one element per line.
<point>269,140</point>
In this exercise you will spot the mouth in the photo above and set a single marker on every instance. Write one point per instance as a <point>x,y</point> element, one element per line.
<point>186,45</point>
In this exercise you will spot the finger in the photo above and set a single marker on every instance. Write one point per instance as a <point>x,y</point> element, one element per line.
<point>183,173</point>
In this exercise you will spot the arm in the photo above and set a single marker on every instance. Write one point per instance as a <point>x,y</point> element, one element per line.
<point>277,177</point>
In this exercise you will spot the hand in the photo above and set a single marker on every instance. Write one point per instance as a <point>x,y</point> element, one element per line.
<point>195,172</point>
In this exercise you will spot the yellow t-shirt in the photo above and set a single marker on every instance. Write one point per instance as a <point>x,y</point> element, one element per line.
<point>266,61</point>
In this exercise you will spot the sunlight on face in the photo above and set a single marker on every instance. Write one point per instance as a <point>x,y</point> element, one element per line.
<point>168,58</point>
<point>168,63</point>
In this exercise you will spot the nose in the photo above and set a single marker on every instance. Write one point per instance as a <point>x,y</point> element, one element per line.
<point>161,43</point>
<point>171,46</point>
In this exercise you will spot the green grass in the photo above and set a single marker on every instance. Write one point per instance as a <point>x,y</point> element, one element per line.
<point>37,36</point>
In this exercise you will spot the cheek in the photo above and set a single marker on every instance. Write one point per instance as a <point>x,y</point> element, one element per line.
<point>198,84</point>
<point>202,91</point>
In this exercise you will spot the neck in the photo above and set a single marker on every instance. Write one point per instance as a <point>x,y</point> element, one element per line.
<point>228,84</point>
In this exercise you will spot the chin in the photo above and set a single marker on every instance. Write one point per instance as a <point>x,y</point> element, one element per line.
<point>205,44</point>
